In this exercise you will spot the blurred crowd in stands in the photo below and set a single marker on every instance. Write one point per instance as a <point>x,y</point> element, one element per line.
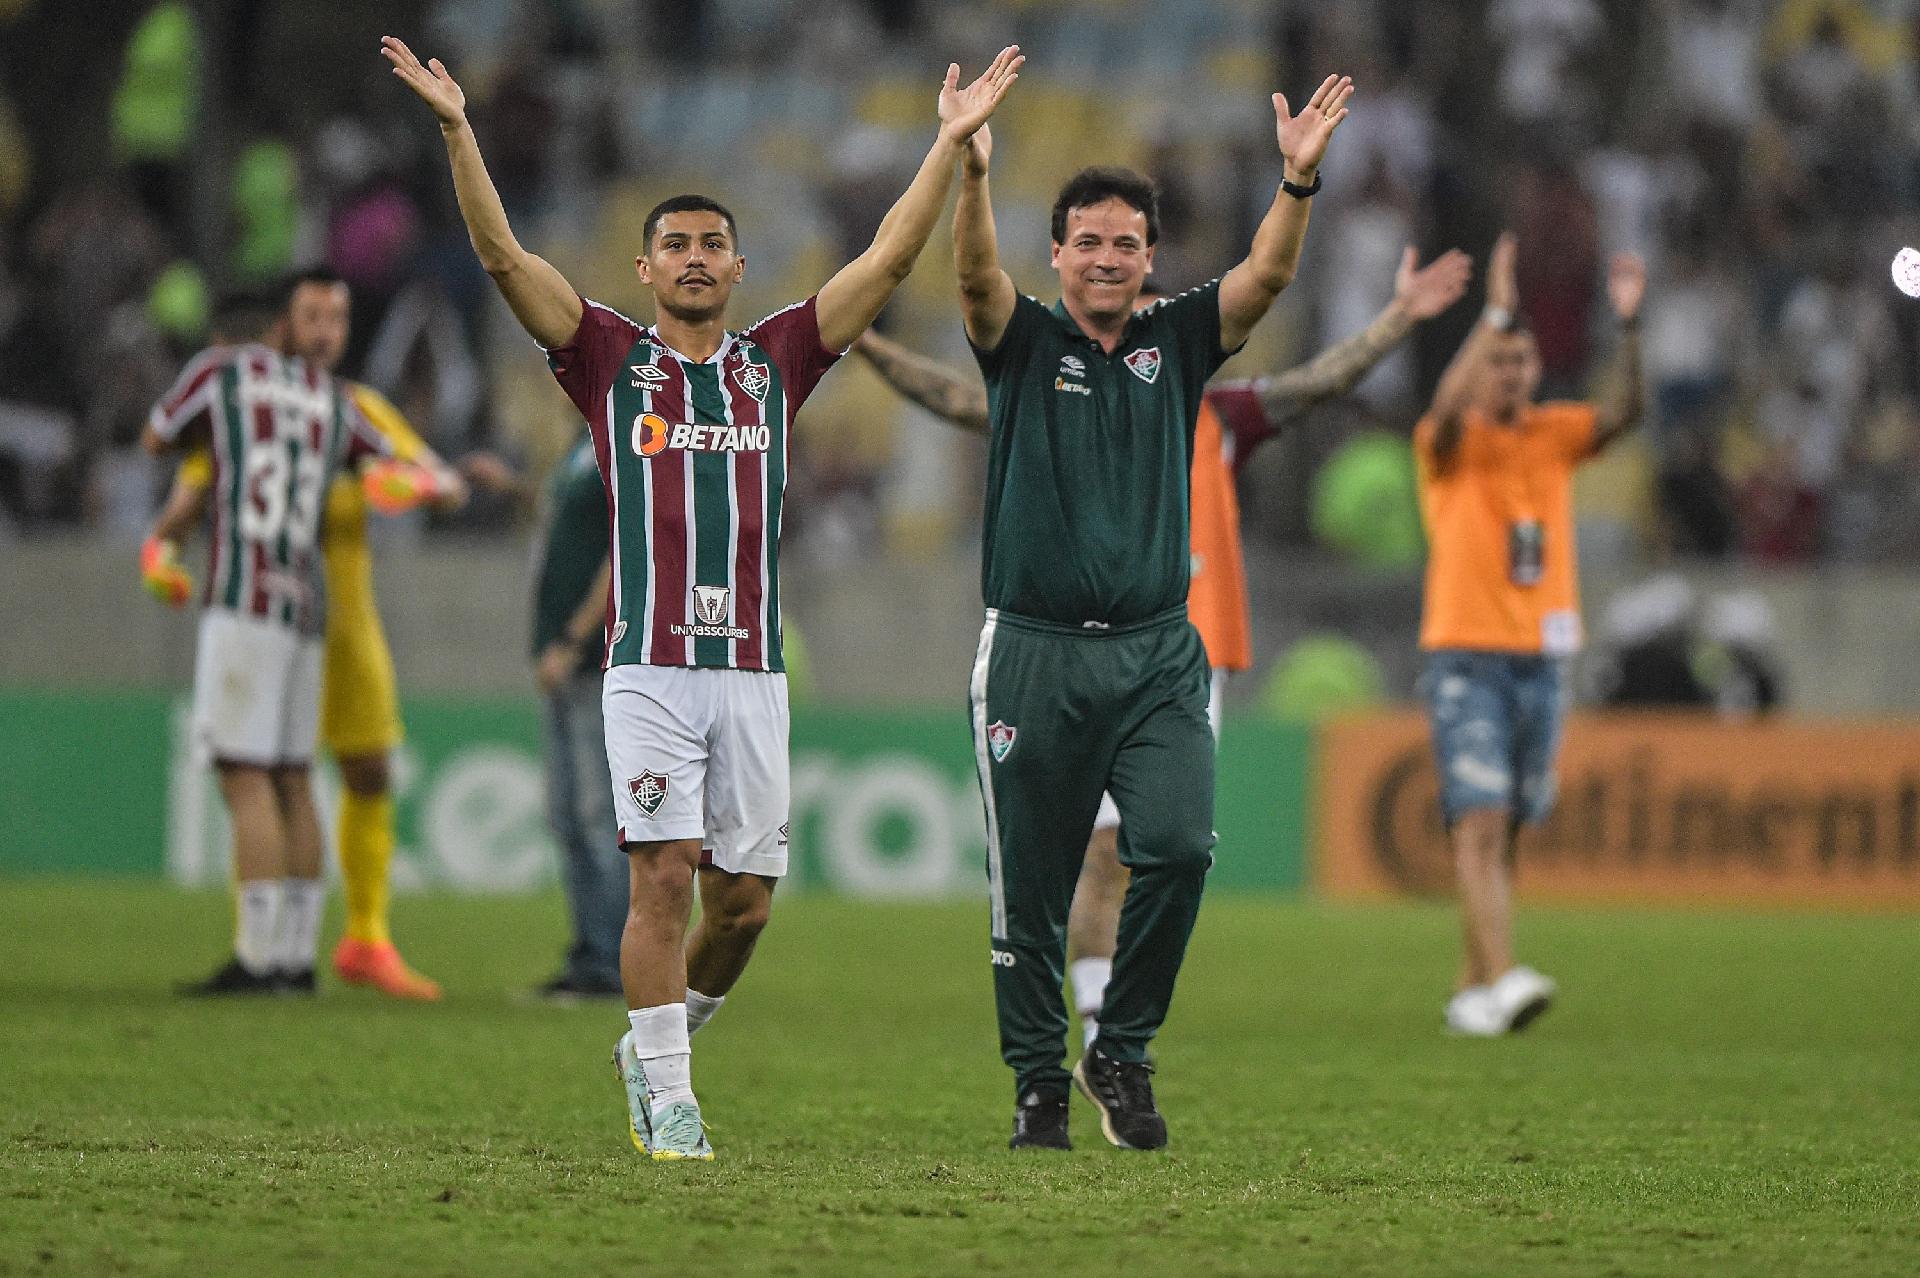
<point>1763,156</point>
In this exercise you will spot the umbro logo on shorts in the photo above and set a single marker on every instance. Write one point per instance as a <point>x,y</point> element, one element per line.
<point>649,791</point>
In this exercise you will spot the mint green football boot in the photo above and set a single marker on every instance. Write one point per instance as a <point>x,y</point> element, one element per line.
<point>633,1077</point>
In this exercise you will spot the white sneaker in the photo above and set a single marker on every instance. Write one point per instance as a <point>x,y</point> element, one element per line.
<point>1521,995</point>
<point>1473,1012</point>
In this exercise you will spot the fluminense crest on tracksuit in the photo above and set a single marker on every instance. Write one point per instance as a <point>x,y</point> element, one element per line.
<point>1145,364</point>
<point>1000,739</point>
<point>649,791</point>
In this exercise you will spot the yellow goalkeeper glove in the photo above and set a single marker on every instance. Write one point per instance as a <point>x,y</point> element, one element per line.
<point>162,573</point>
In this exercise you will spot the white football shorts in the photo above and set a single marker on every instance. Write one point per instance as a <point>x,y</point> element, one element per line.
<point>1108,818</point>
<point>256,691</point>
<point>701,754</point>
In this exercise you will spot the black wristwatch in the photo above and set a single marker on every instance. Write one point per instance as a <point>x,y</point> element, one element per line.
<point>1299,192</point>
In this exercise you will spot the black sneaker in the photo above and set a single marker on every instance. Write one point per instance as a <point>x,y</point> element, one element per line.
<point>1123,1093</point>
<point>231,979</point>
<point>566,990</point>
<point>297,980</point>
<point>1040,1122</point>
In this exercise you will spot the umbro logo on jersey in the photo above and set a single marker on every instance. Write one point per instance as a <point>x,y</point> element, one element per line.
<point>649,791</point>
<point>1072,366</point>
<point>1000,739</point>
<point>1145,364</point>
<point>652,376</point>
<point>653,434</point>
<point>754,379</point>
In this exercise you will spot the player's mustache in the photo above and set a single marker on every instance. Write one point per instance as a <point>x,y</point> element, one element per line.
<point>700,277</point>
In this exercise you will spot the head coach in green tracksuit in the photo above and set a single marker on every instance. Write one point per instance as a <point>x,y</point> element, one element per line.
<point>1089,676</point>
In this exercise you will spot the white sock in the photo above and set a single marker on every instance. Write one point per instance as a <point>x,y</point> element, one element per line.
<point>297,940</point>
<point>660,1041</point>
<point>253,940</point>
<point>700,1009</point>
<point>1089,977</point>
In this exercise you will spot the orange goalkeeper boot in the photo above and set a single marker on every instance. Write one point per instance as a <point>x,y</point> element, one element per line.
<point>378,963</point>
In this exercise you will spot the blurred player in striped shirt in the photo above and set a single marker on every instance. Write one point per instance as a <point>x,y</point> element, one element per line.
<point>360,706</point>
<point>277,429</point>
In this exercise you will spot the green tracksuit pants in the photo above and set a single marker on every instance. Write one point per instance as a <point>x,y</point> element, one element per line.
<point>1058,717</point>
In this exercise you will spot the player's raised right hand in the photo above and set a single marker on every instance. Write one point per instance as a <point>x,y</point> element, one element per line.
<point>964,110</point>
<point>435,87</point>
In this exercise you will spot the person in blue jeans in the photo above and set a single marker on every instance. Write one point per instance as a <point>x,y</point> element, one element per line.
<point>1501,614</point>
<point>569,617</point>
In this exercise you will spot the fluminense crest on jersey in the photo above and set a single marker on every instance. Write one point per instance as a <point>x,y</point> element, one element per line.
<point>1145,364</point>
<point>649,791</point>
<point>753,378</point>
<point>694,455</point>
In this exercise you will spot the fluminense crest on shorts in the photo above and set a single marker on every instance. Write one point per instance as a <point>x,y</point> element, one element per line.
<point>1145,364</point>
<point>649,791</point>
<point>710,604</point>
<point>753,379</point>
<point>1000,739</point>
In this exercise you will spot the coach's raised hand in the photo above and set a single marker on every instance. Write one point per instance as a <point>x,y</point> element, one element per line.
<point>435,87</point>
<point>1303,138</point>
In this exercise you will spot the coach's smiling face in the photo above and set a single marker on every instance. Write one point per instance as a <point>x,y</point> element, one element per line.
<point>692,265</point>
<point>1104,260</point>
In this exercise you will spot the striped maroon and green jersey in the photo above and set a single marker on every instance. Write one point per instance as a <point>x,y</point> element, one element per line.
<point>279,429</point>
<point>693,454</point>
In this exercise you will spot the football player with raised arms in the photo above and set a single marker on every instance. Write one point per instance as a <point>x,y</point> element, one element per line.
<point>690,426</point>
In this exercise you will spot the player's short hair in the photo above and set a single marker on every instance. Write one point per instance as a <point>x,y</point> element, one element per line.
<point>1100,183</point>
<point>688,204</point>
<point>324,276</point>
<point>241,316</point>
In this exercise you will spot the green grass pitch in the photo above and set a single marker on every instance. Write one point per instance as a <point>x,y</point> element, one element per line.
<point>1716,1093</point>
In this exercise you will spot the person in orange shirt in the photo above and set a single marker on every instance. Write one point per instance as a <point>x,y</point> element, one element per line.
<point>1235,418</point>
<point>1502,608</point>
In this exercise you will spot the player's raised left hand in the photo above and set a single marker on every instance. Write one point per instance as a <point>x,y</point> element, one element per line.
<point>963,111</point>
<point>1303,138</point>
<point>1626,285</point>
<point>1424,293</point>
